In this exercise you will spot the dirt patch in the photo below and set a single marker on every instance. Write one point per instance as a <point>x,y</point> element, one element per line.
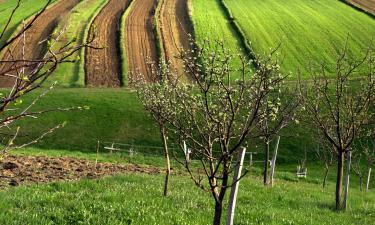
<point>102,66</point>
<point>140,40</point>
<point>175,29</point>
<point>18,170</point>
<point>42,28</point>
<point>368,5</point>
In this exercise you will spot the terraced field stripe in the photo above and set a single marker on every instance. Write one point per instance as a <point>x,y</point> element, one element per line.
<point>140,41</point>
<point>103,66</point>
<point>42,29</point>
<point>174,28</point>
<point>124,59</point>
<point>210,23</point>
<point>246,44</point>
<point>76,28</point>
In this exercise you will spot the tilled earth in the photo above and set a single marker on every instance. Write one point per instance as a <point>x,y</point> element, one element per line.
<point>368,5</point>
<point>140,41</point>
<point>103,64</point>
<point>18,170</point>
<point>175,29</point>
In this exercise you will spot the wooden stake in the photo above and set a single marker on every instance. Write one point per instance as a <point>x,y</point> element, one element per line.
<point>273,165</point>
<point>187,152</point>
<point>347,178</point>
<point>234,191</point>
<point>368,179</point>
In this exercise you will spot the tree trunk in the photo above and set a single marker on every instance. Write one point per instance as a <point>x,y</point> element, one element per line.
<point>167,161</point>
<point>266,159</point>
<point>220,195</point>
<point>340,174</point>
<point>325,177</point>
<point>368,179</point>
<point>218,213</point>
<point>361,183</point>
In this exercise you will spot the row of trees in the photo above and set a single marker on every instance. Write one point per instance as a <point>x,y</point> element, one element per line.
<point>216,115</point>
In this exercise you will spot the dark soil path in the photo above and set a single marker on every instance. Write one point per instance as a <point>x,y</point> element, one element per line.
<point>102,66</point>
<point>42,28</point>
<point>140,40</point>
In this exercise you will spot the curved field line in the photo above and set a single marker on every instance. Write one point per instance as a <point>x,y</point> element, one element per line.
<point>102,66</point>
<point>140,41</point>
<point>41,30</point>
<point>175,28</point>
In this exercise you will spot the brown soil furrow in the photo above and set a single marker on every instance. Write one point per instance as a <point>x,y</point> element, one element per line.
<point>140,40</point>
<point>368,5</point>
<point>41,30</point>
<point>102,66</point>
<point>18,170</point>
<point>175,29</point>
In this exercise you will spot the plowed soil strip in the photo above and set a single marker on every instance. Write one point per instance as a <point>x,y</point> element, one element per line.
<point>42,28</point>
<point>368,5</point>
<point>102,66</point>
<point>140,40</point>
<point>175,29</point>
<point>18,170</point>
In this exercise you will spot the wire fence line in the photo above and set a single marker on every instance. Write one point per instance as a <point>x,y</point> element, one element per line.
<point>133,149</point>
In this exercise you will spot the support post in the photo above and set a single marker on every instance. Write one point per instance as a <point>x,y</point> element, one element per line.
<point>347,178</point>
<point>368,179</point>
<point>234,190</point>
<point>251,159</point>
<point>187,153</point>
<point>273,165</point>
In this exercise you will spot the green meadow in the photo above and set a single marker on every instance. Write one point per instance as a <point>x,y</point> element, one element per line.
<point>307,31</point>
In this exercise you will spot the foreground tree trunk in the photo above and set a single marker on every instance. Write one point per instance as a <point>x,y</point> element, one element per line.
<point>340,175</point>
<point>325,177</point>
<point>167,161</point>
<point>218,213</point>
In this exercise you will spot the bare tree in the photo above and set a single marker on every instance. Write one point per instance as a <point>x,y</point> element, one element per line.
<point>338,106</point>
<point>27,75</point>
<point>214,114</point>
<point>153,98</point>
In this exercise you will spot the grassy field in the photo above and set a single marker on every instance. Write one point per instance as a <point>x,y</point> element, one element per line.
<point>313,30</point>
<point>76,26</point>
<point>117,115</point>
<point>27,9</point>
<point>114,115</point>
<point>120,200</point>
